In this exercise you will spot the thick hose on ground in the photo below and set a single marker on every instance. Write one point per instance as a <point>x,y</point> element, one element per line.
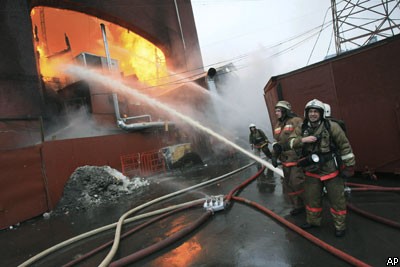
<point>244,184</point>
<point>346,257</point>
<point>121,220</point>
<point>107,227</point>
<point>100,230</point>
<point>164,243</point>
<point>137,228</point>
<point>367,187</point>
<point>361,185</point>
<point>374,217</point>
<point>377,189</point>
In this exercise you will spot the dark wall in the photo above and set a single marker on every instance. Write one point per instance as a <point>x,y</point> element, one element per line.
<point>20,94</point>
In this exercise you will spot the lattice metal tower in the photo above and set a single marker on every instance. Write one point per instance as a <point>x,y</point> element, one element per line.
<point>360,22</point>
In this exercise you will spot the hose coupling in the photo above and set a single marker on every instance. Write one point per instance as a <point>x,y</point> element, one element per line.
<point>214,203</point>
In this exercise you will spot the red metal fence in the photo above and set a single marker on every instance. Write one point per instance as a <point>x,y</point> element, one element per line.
<point>142,164</point>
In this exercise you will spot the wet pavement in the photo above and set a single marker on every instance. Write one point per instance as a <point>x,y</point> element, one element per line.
<point>240,235</point>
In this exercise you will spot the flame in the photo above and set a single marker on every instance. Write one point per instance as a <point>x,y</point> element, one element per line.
<point>136,55</point>
<point>140,57</point>
<point>49,68</point>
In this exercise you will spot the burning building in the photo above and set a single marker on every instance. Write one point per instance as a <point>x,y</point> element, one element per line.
<point>144,45</point>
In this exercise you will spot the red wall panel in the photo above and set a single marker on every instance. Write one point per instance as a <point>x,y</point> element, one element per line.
<point>362,87</point>
<point>23,193</point>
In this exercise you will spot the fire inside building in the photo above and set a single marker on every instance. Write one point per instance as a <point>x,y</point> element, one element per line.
<point>93,83</point>
<point>46,111</point>
<point>53,122</point>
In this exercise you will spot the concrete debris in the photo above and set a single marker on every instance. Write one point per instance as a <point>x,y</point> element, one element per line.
<point>90,186</point>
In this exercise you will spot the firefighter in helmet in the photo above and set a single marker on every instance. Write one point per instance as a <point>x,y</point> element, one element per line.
<point>293,179</point>
<point>327,158</point>
<point>259,142</point>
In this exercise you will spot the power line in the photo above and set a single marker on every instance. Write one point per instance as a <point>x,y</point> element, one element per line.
<point>316,41</point>
<point>246,55</point>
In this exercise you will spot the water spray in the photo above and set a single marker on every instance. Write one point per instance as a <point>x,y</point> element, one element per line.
<point>114,85</point>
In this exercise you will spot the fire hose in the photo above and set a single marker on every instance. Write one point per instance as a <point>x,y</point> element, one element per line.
<point>229,197</point>
<point>342,255</point>
<point>346,257</point>
<point>127,220</point>
<point>373,188</point>
<point>373,217</point>
<point>166,242</point>
<point>141,226</point>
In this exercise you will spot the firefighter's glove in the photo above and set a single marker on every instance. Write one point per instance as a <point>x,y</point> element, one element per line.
<point>274,162</point>
<point>348,171</point>
<point>277,148</point>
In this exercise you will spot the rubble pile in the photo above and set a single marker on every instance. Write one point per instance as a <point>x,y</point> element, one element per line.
<point>90,186</point>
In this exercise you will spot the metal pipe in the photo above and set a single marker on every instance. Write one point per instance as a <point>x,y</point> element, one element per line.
<point>103,32</point>
<point>180,24</point>
<point>134,126</point>
<point>138,117</point>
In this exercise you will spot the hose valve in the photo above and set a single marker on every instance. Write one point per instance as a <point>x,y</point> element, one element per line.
<point>214,203</point>
<point>347,192</point>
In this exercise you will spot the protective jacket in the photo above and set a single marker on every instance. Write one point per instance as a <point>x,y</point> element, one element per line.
<point>282,132</point>
<point>258,137</point>
<point>293,179</point>
<point>332,147</point>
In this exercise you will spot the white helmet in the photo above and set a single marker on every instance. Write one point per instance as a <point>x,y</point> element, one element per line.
<point>328,112</point>
<point>315,103</point>
<point>252,125</point>
<point>283,104</point>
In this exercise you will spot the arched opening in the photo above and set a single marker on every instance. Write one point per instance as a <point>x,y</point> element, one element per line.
<point>62,36</point>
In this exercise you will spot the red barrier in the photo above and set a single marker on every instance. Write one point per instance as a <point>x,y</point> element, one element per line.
<point>151,162</point>
<point>143,164</point>
<point>131,165</point>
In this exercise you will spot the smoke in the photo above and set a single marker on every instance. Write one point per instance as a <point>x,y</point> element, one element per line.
<point>237,101</point>
<point>76,124</point>
<point>242,96</point>
<point>127,91</point>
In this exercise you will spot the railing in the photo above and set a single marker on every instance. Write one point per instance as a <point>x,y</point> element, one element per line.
<point>143,164</point>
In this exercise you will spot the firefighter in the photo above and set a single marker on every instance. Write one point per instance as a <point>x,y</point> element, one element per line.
<point>259,142</point>
<point>327,158</point>
<point>293,179</point>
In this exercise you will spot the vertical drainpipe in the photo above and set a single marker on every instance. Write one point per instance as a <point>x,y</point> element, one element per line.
<point>103,31</point>
<point>180,28</point>
<point>180,25</point>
